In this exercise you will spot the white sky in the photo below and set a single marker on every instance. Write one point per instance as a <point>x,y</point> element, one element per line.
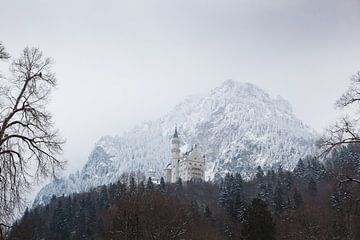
<point>119,63</point>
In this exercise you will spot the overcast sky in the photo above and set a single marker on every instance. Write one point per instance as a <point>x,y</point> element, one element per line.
<point>119,63</point>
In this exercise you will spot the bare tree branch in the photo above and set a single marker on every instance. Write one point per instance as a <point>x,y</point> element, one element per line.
<point>347,130</point>
<point>349,179</point>
<point>29,144</point>
<point>341,133</point>
<point>352,95</point>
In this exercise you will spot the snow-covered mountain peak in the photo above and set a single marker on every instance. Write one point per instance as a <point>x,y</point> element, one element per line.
<point>231,89</point>
<point>238,126</point>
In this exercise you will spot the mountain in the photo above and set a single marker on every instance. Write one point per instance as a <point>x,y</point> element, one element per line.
<point>237,126</point>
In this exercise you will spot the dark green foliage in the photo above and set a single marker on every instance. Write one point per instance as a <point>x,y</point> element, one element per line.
<point>132,185</point>
<point>298,199</point>
<point>103,200</point>
<point>271,175</point>
<point>231,196</point>
<point>162,184</point>
<point>341,203</point>
<point>258,223</point>
<point>259,173</point>
<point>100,229</point>
<point>299,170</point>
<point>179,186</point>
<point>287,181</point>
<point>305,204</point>
<point>265,192</point>
<point>279,201</point>
<point>345,161</point>
<point>310,167</point>
<point>207,213</point>
<point>312,187</point>
<point>112,193</point>
<point>59,225</point>
<point>80,224</point>
<point>149,184</point>
<point>141,187</point>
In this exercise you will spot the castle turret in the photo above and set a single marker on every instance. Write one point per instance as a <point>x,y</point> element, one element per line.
<point>175,156</point>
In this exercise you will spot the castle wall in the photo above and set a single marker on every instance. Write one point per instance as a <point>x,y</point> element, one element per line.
<point>167,175</point>
<point>192,166</point>
<point>188,167</point>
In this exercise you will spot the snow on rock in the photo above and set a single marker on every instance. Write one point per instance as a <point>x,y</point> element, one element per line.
<point>237,126</point>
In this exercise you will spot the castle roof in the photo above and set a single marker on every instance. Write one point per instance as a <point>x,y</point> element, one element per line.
<point>168,166</point>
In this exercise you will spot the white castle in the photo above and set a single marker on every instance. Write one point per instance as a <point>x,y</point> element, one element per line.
<point>189,166</point>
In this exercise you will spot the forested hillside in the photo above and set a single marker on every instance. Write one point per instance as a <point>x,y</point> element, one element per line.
<point>308,203</point>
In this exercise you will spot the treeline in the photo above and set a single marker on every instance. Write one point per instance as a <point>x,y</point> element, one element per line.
<point>307,203</point>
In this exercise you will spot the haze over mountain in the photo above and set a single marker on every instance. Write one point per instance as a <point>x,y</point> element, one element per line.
<point>237,126</point>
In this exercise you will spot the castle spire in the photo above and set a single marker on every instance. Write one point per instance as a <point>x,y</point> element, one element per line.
<point>176,133</point>
<point>175,156</point>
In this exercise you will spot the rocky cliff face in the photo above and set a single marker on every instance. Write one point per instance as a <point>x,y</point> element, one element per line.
<point>237,126</point>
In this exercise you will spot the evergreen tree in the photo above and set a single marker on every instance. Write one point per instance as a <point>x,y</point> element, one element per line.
<point>229,232</point>
<point>239,203</point>
<point>345,162</point>
<point>141,188</point>
<point>162,185</point>
<point>298,200</point>
<point>121,190</point>
<point>258,223</point>
<point>279,198</point>
<point>265,192</point>
<point>207,212</point>
<point>195,207</point>
<point>259,173</point>
<point>80,222</point>
<point>103,199</point>
<point>316,169</point>
<point>59,225</point>
<point>112,190</point>
<point>149,184</point>
<point>271,175</point>
<point>69,211</point>
<point>100,229</point>
<point>226,189</point>
<point>287,181</point>
<point>231,196</point>
<point>312,188</point>
<point>280,171</point>
<point>299,170</point>
<point>339,199</point>
<point>132,185</point>
<point>90,214</point>
<point>179,185</point>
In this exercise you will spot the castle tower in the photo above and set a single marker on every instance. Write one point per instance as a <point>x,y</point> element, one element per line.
<point>175,156</point>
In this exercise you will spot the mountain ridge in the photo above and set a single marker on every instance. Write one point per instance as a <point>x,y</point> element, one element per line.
<point>238,126</point>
